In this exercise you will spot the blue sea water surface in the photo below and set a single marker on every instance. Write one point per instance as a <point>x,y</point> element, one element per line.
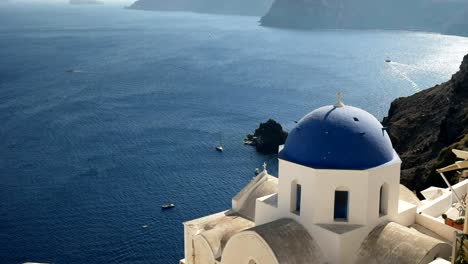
<point>87,158</point>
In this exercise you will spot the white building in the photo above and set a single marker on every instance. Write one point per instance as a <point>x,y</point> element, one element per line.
<point>337,199</point>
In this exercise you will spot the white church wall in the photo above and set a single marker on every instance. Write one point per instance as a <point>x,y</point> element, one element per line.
<point>373,201</point>
<point>350,243</point>
<point>311,196</point>
<point>287,174</point>
<point>265,213</point>
<point>387,176</point>
<point>328,241</point>
<point>318,192</point>
<point>290,174</point>
<point>338,248</point>
<point>322,198</point>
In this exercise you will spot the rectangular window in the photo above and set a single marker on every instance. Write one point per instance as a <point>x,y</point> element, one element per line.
<point>383,200</point>
<point>298,198</point>
<point>296,193</point>
<point>341,206</point>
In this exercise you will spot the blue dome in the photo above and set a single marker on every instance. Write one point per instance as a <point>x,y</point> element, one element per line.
<point>346,138</point>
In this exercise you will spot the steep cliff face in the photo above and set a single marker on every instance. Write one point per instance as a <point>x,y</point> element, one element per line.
<point>238,7</point>
<point>429,15</point>
<point>424,128</point>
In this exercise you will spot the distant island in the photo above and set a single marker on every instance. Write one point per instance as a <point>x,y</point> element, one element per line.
<point>442,16</point>
<point>85,2</point>
<point>237,7</point>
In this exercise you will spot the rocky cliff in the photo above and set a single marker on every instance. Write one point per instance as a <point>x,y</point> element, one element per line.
<point>238,7</point>
<point>425,127</point>
<point>449,17</point>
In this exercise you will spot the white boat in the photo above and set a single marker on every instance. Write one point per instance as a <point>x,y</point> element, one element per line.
<point>167,206</point>
<point>219,147</point>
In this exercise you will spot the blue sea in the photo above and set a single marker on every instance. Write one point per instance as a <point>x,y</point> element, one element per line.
<point>88,157</point>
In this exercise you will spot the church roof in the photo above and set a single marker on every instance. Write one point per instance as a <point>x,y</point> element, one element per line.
<point>262,185</point>
<point>217,229</point>
<point>394,243</point>
<point>338,137</point>
<point>290,242</point>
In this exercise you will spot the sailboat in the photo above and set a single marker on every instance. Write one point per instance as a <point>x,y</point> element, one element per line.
<point>219,147</point>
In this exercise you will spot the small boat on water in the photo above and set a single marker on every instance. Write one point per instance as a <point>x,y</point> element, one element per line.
<point>73,71</point>
<point>167,206</point>
<point>219,147</point>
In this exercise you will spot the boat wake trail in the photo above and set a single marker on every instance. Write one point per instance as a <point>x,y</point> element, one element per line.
<point>403,75</point>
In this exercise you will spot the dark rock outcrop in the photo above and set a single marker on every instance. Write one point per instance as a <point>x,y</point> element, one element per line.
<point>425,127</point>
<point>267,137</point>
<point>238,7</point>
<point>448,17</point>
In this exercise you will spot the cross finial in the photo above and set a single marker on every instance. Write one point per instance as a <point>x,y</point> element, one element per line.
<point>339,97</point>
<point>264,166</point>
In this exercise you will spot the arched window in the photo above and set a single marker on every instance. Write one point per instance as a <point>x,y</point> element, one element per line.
<point>341,205</point>
<point>296,195</point>
<point>383,200</point>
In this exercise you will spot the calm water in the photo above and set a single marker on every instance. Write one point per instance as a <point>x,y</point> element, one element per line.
<point>87,158</point>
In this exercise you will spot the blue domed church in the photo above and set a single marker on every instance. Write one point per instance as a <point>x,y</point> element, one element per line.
<point>337,199</point>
